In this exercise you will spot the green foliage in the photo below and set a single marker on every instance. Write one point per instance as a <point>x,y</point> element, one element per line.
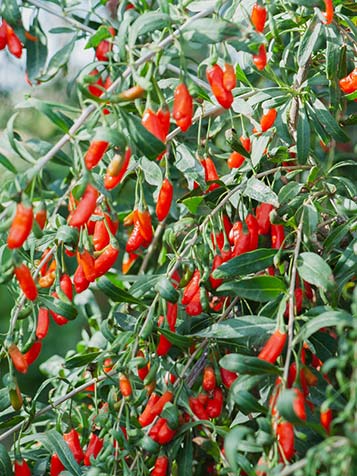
<point>241,257</point>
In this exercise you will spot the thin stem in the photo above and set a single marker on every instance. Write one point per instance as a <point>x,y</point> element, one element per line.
<point>128,71</point>
<point>23,297</point>
<point>61,14</point>
<point>58,402</point>
<point>292,297</point>
<point>300,464</point>
<point>152,247</point>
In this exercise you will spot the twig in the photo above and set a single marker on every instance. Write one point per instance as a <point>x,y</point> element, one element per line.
<point>61,14</point>
<point>221,204</point>
<point>194,79</point>
<point>23,297</point>
<point>152,247</point>
<point>292,298</point>
<point>58,402</point>
<point>128,71</point>
<point>294,112</point>
<point>204,343</point>
<point>300,464</point>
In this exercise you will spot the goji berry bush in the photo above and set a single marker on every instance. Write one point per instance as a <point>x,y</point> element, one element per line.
<point>198,209</point>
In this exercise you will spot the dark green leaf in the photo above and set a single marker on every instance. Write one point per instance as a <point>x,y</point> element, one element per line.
<point>115,293</point>
<point>183,342</point>
<point>285,405</point>
<point>148,145</point>
<point>246,263</point>
<point>308,42</point>
<point>55,443</point>
<point>36,51</point>
<point>326,319</point>
<point>4,399</point>
<point>328,122</point>
<point>5,462</point>
<point>5,162</point>
<point>56,117</point>
<point>184,457</point>
<point>235,441</point>
<point>64,309</point>
<point>166,290</point>
<point>288,191</point>
<point>313,269</point>
<point>238,328</point>
<point>303,136</point>
<point>258,288</point>
<point>246,403</point>
<point>59,60</point>
<point>15,143</point>
<point>81,360</point>
<point>10,12</point>
<point>245,364</point>
<point>260,192</point>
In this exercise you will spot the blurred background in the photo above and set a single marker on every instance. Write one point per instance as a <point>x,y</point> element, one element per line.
<point>13,91</point>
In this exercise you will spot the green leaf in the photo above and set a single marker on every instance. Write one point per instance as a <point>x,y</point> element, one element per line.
<point>311,219</point>
<point>10,12</point>
<point>101,34</point>
<point>17,144</point>
<point>5,462</point>
<point>245,364</point>
<point>308,42</point>
<point>4,400</point>
<point>111,135</point>
<point>334,52</point>
<point>189,165</point>
<point>166,290</point>
<point>326,319</point>
<point>192,203</point>
<point>64,309</point>
<point>260,192</point>
<point>5,162</point>
<point>152,172</point>
<point>209,30</point>
<point>148,144</point>
<point>59,60</point>
<point>259,145</point>
<point>288,191</point>
<point>235,441</point>
<point>81,360</point>
<point>48,108</point>
<point>246,403</point>
<point>184,457</point>
<point>238,328</point>
<point>55,443</point>
<point>313,269</point>
<point>36,51</point>
<point>146,23</point>
<point>183,342</point>
<point>285,406</point>
<point>258,288</point>
<point>303,136</point>
<point>67,234</point>
<point>115,293</point>
<point>328,122</point>
<point>246,263</point>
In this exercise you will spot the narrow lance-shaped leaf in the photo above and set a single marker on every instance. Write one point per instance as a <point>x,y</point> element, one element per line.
<point>246,263</point>
<point>303,136</point>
